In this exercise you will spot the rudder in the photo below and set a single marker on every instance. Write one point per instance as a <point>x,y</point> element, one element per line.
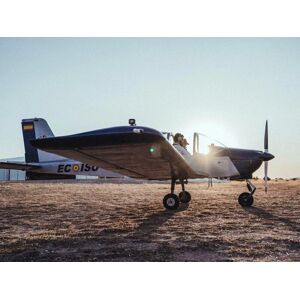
<point>32,129</point>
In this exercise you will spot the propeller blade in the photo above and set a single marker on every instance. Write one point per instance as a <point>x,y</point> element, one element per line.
<point>266,177</point>
<point>266,141</point>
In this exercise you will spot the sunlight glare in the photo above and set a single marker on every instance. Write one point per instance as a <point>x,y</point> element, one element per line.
<point>211,133</point>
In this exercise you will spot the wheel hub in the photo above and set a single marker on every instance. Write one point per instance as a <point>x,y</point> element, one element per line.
<point>170,201</point>
<point>245,199</point>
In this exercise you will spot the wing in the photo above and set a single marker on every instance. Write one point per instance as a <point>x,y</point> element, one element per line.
<point>137,152</point>
<point>18,166</point>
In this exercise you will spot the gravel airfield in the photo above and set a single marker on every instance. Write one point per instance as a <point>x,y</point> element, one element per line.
<point>92,221</point>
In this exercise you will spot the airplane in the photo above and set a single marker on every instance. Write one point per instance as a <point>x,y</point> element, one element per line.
<point>40,165</point>
<point>145,153</point>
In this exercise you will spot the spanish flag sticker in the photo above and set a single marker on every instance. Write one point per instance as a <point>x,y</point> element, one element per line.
<point>28,127</point>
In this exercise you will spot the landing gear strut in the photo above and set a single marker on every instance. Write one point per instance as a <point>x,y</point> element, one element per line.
<point>246,199</point>
<point>171,201</point>
<point>184,196</point>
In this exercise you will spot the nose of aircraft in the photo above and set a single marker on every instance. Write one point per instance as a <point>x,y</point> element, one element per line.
<point>266,156</point>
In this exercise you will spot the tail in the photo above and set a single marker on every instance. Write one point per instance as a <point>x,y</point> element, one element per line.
<point>35,129</point>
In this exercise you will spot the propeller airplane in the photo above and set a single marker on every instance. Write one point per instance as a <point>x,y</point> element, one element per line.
<point>145,153</point>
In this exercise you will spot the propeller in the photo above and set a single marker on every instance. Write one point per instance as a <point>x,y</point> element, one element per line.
<point>266,150</point>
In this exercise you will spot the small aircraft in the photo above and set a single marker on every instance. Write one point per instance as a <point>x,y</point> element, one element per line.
<point>145,153</point>
<point>40,165</point>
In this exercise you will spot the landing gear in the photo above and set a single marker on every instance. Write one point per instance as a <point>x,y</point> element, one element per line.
<point>171,201</point>
<point>185,197</point>
<point>246,199</point>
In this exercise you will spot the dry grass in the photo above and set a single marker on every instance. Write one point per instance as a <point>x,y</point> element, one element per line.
<point>115,222</point>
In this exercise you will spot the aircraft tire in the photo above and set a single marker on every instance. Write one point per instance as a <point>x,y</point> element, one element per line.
<point>245,199</point>
<point>171,201</point>
<point>185,197</point>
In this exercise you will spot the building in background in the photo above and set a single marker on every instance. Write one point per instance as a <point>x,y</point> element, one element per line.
<point>12,175</point>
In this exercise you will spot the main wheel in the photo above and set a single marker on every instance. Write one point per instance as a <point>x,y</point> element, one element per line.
<point>185,197</point>
<point>245,199</point>
<point>171,201</point>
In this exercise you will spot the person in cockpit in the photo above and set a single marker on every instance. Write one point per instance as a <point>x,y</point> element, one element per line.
<point>177,139</point>
<point>180,144</point>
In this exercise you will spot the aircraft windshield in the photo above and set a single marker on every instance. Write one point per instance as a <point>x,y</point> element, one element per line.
<point>204,144</point>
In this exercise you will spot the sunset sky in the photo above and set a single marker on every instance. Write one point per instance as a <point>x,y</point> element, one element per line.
<point>223,87</point>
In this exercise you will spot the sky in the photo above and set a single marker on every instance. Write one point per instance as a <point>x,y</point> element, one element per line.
<point>225,88</point>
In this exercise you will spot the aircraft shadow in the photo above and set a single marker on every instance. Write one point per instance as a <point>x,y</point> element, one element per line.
<point>155,221</point>
<point>109,245</point>
<point>259,212</point>
<point>144,243</point>
<point>150,240</point>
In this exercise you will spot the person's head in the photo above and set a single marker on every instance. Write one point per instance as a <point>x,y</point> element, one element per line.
<point>178,138</point>
<point>181,140</point>
<point>185,143</point>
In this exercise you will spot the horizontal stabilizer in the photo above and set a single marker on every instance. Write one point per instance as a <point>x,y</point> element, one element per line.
<point>18,166</point>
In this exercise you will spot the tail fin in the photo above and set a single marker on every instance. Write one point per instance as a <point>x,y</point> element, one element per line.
<point>34,129</point>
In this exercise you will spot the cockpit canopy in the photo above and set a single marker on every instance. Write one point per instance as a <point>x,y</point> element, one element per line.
<point>202,144</point>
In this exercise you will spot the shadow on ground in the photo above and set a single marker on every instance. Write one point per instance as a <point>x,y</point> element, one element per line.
<point>139,244</point>
<point>261,213</point>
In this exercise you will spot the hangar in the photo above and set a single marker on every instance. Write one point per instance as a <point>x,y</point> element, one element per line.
<point>12,175</point>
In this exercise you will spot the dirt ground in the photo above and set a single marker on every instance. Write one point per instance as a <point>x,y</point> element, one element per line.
<point>127,222</point>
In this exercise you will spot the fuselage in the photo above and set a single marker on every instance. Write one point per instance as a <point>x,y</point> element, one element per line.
<point>142,152</point>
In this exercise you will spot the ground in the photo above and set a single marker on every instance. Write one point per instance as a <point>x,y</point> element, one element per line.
<point>88,221</point>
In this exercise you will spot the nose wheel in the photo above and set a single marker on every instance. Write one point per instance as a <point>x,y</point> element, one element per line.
<point>171,201</point>
<point>246,199</point>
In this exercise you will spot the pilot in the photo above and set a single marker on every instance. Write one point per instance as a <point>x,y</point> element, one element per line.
<point>180,144</point>
<point>178,137</point>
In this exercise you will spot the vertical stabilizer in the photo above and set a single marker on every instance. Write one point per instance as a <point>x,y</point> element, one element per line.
<point>36,128</point>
